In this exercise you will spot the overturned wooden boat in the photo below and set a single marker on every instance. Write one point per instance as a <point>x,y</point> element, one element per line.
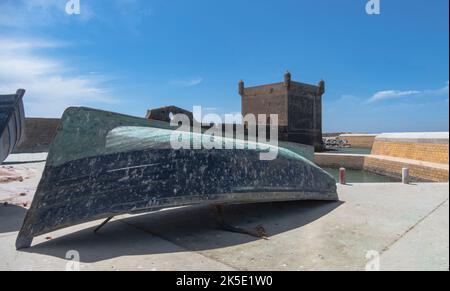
<point>12,121</point>
<point>103,164</point>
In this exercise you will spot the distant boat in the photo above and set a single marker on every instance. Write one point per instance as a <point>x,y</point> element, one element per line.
<point>12,122</point>
<point>102,164</point>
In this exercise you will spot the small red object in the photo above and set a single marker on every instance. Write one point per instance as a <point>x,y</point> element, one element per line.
<point>342,176</point>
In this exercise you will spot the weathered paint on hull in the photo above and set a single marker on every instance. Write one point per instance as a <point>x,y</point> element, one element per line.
<point>154,176</point>
<point>12,120</point>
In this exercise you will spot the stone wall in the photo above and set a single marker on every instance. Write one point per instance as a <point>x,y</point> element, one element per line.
<point>359,140</point>
<point>425,154</point>
<point>435,153</point>
<point>267,99</point>
<point>39,134</point>
<point>348,161</point>
<point>387,166</point>
<point>305,113</point>
<point>428,147</point>
<point>419,171</point>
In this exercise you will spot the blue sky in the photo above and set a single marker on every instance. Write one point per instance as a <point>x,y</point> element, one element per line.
<point>384,73</point>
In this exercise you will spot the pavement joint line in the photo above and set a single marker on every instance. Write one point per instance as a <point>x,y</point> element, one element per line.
<point>385,249</point>
<point>174,243</point>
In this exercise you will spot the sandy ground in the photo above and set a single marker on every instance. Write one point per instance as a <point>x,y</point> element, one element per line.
<point>374,226</point>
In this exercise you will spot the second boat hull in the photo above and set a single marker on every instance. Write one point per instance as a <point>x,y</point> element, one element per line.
<point>12,120</point>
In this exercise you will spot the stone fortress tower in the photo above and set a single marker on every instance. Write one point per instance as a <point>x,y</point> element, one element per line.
<point>298,105</point>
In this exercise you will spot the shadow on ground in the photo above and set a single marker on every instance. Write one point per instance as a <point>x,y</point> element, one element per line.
<point>11,218</point>
<point>187,229</point>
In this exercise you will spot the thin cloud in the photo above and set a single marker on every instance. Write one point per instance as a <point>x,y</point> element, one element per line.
<point>32,13</point>
<point>11,44</point>
<point>388,94</point>
<point>187,82</point>
<point>392,94</point>
<point>120,15</point>
<point>51,83</point>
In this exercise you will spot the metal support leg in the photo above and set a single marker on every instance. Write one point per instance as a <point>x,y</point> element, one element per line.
<point>259,233</point>
<point>103,224</point>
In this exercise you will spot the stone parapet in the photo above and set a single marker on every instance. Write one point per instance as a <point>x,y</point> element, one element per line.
<point>427,147</point>
<point>420,171</point>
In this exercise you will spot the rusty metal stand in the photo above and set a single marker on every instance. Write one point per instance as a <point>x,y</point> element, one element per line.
<point>103,224</point>
<point>227,227</point>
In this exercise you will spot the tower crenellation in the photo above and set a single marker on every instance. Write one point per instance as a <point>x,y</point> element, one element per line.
<point>298,106</point>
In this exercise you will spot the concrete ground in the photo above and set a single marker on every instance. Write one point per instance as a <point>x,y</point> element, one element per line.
<point>390,226</point>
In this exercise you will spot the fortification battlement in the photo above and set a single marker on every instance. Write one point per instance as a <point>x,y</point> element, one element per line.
<point>298,106</point>
<point>287,84</point>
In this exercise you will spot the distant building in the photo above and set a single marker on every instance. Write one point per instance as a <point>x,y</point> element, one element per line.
<point>166,113</point>
<point>298,105</point>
